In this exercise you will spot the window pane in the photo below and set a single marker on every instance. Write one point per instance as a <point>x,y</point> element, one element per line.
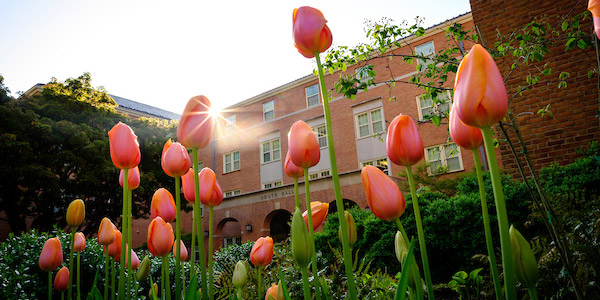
<point>425,49</point>
<point>278,183</point>
<point>267,157</point>
<point>201,165</point>
<point>376,115</point>
<point>236,165</point>
<point>377,126</point>
<point>236,155</point>
<point>312,100</point>
<point>364,130</point>
<point>363,119</point>
<point>227,167</point>
<point>324,173</point>
<point>313,176</point>
<point>312,90</point>
<point>276,154</point>
<point>237,192</point>
<point>269,115</point>
<point>323,141</point>
<point>434,154</point>
<point>453,164</point>
<point>367,163</point>
<point>451,151</point>
<point>276,144</point>
<point>435,166</point>
<point>426,102</point>
<point>322,136</point>
<point>268,106</point>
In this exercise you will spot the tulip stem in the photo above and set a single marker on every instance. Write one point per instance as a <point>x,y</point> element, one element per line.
<point>210,249</point>
<point>311,236</point>
<point>113,280</point>
<point>259,287</point>
<point>297,197</point>
<point>70,290</point>
<point>239,293</point>
<point>336,184</point>
<point>199,229</point>
<point>129,242</point>
<point>177,237</point>
<point>418,289</point>
<point>532,293</point>
<point>193,248</point>
<point>78,276</point>
<point>106,270</point>
<point>305,284</point>
<point>486,225</point>
<point>507,260</point>
<point>422,247</point>
<point>49,285</point>
<point>124,230</point>
<point>135,290</point>
<point>165,266</point>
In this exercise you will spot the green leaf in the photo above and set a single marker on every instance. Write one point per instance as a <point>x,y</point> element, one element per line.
<point>436,120</point>
<point>286,293</point>
<point>192,288</point>
<point>407,267</point>
<point>565,25</point>
<point>583,44</point>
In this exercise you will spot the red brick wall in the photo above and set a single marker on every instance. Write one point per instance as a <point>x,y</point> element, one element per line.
<point>575,123</point>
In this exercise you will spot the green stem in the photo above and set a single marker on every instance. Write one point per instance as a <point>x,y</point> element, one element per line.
<point>106,271</point>
<point>113,279</point>
<point>305,284</point>
<point>199,229</point>
<point>162,281</point>
<point>129,277</point>
<point>78,276</point>
<point>165,266</point>
<point>239,294</point>
<point>336,184</point>
<point>418,289</point>
<point>177,237</point>
<point>532,293</point>
<point>193,248</point>
<point>297,197</point>
<point>486,226</point>
<point>311,236</point>
<point>422,247</point>
<point>124,233</point>
<point>62,295</point>
<point>70,289</point>
<point>211,295</point>
<point>136,287</point>
<point>259,287</point>
<point>50,285</point>
<point>507,262</point>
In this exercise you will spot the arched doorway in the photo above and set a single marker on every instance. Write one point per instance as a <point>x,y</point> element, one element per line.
<point>348,204</point>
<point>229,229</point>
<point>279,224</point>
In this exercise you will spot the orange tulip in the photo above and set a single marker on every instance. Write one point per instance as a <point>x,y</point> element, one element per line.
<point>189,192</point>
<point>383,196</point>
<point>106,233</point>
<point>303,146</point>
<point>196,125</point>
<point>272,291</point>
<point>311,35</point>
<point>183,253</point>
<point>291,169</point>
<point>479,94</point>
<point>319,212</point>
<point>262,251</point>
<point>160,237</point>
<point>133,178</point>
<point>75,213</point>
<point>163,205</point>
<point>175,159</point>
<point>211,194</point>
<point>403,143</point>
<point>134,259</point>
<point>79,242</point>
<point>124,147</point>
<point>114,249</point>
<point>61,281</point>
<point>462,134</point>
<point>594,8</point>
<point>51,256</point>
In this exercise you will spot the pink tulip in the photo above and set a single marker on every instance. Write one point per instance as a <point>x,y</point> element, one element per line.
<point>311,35</point>
<point>51,256</point>
<point>196,125</point>
<point>291,169</point>
<point>163,205</point>
<point>106,233</point>
<point>462,134</point>
<point>383,196</point>
<point>124,147</point>
<point>262,252</point>
<point>114,249</point>
<point>133,178</point>
<point>135,261</point>
<point>319,212</point>
<point>594,8</point>
<point>403,143</point>
<point>304,150</point>
<point>61,281</point>
<point>211,194</point>
<point>183,253</point>
<point>175,159</point>
<point>160,237</point>
<point>79,244</point>
<point>189,192</point>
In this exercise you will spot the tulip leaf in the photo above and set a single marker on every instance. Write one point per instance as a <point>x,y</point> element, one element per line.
<point>286,293</point>
<point>192,288</point>
<point>406,267</point>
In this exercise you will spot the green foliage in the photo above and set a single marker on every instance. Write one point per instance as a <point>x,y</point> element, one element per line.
<point>467,284</point>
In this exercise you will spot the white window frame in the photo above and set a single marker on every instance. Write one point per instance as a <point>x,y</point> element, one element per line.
<point>443,159</point>
<point>231,156</point>
<point>362,74</point>
<point>271,151</point>
<point>319,174</point>
<point>272,184</point>
<point>435,107</point>
<point>321,136</point>
<point>311,96</point>
<point>373,162</point>
<point>369,122</point>
<point>421,62</point>
<point>265,112</point>
<point>232,193</point>
<point>232,240</point>
<point>230,126</point>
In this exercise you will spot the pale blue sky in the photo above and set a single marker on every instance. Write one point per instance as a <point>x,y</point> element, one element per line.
<point>164,52</point>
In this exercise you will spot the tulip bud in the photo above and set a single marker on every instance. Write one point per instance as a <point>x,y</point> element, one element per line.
<point>76,213</point>
<point>351,227</point>
<point>291,169</point>
<point>163,205</point>
<point>318,211</point>
<point>300,240</point>
<point>79,244</point>
<point>196,125</point>
<point>526,269</point>
<point>61,281</point>
<point>211,194</point>
<point>124,147</point>
<point>272,293</point>
<point>51,256</point>
<point>183,253</point>
<point>384,198</point>
<point>240,275</point>
<point>462,134</point>
<point>133,178</point>
<point>143,270</point>
<point>135,261</point>
<point>400,247</point>
<point>403,143</point>
<point>160,237</point>
<point>175,159</point>
<point>280,295</point>
<point>311,35</point>
<point>303,146</point>
<point>153,291</point>
<point>262,252</point>
<point>187,183</point>
<point>114,249</point>
<point>106,233</point>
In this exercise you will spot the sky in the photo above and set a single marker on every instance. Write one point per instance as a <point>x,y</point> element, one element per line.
<point>162,53</point>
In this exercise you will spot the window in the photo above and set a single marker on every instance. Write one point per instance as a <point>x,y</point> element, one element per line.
<point>231,161</point>
<point>443,159</point>
<point>321,133</point>
<point>230,127</point>
<point>364,74</point>
<point>232,240</point>
<point>271,151</point>
<point>232,193</point>
<point>320,174</point>
<point>380,163</point>
<point>425,50</point>
<point>370,123</point>
<point>200,165</point>
<point>428,108</point>
<point>268,111</point>
<point>312,95</point>
<point>273,184</point>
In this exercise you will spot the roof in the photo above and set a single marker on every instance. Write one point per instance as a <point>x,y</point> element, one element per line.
<point>144,108</point>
